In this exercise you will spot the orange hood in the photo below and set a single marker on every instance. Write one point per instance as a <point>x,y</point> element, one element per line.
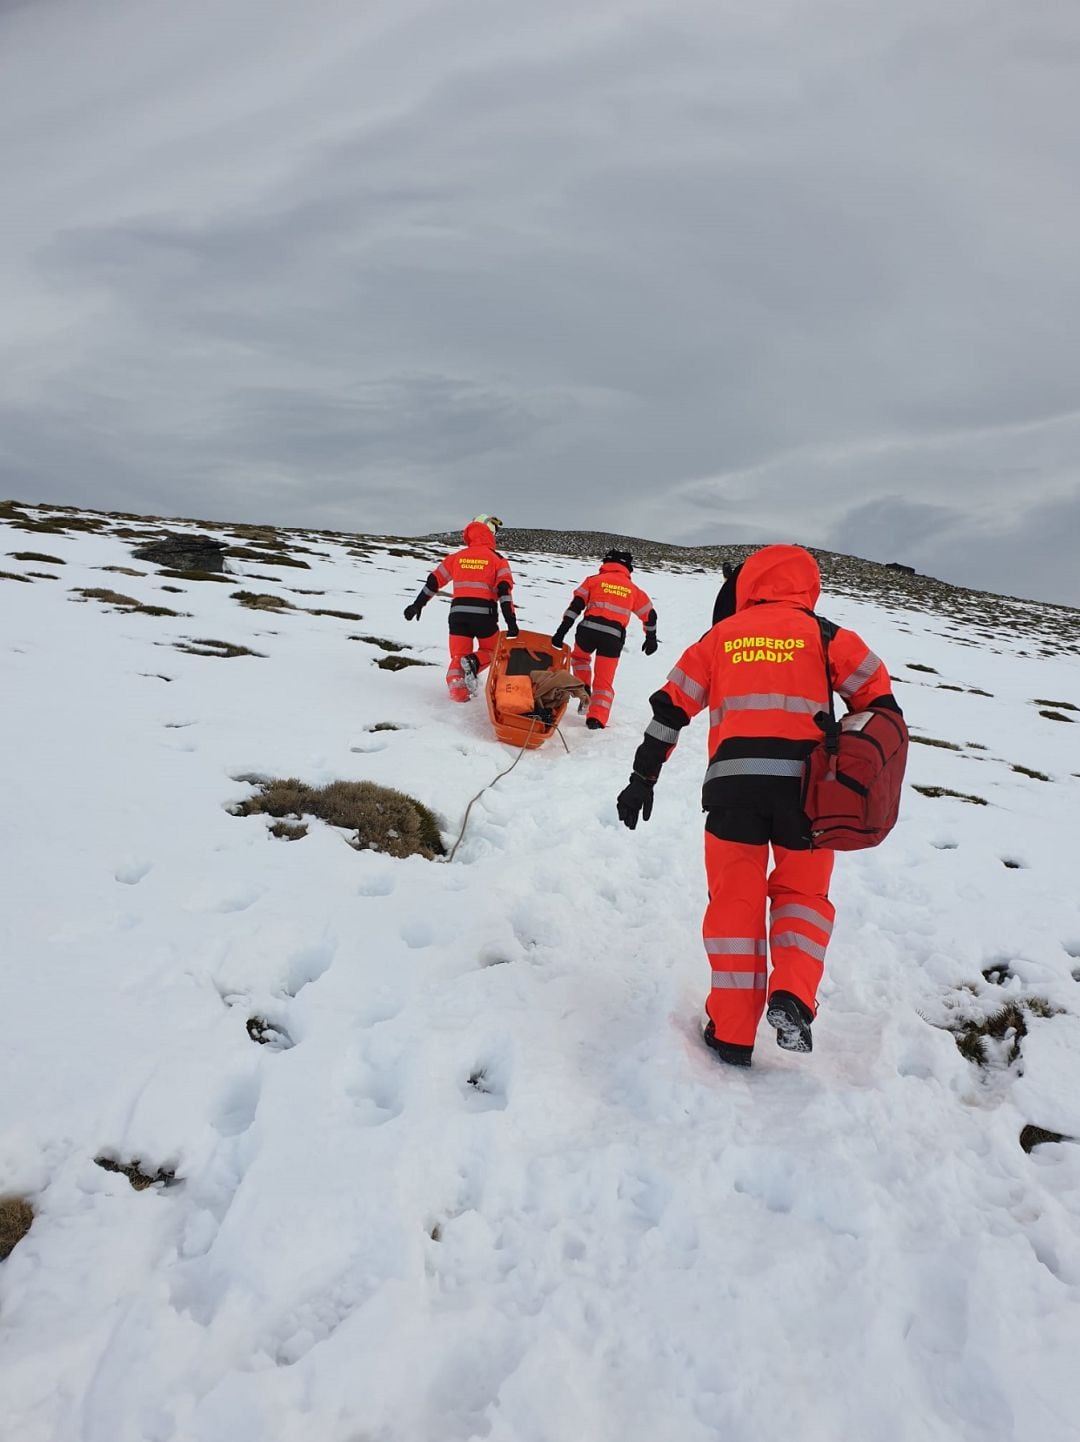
<point>476,533</point>
<point>778,573</point>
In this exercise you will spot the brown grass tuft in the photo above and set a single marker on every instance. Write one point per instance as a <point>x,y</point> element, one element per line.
<point>139,1179</point>
<point>45,560</point>
<point>224,649</point>
<point>16,1219</point>
<point>340,615</point>
<point>383,819</point>
<point>1032,1136</point>
<point>128,604</point>
<point>398,663</point>
<point>260,601</point>
<point>936,791</point>
<point>12,576</point>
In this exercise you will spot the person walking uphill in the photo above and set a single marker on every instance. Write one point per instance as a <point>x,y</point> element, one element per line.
<point>608,600</point>
<point>481,581</point>
<point>761,674</point>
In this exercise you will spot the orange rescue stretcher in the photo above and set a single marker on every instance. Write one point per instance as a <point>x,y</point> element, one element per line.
<point>510,692</point>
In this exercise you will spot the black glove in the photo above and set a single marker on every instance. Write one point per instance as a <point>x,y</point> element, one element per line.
<point>558,638</point>
<point>635,799</point>
<point>412,610</point>
<point>510,619</point>
<point>649,644</point>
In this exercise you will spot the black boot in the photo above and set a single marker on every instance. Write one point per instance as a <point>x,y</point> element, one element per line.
<point>792,1020</point>
<point>594,724</point>
<point>726,1050</point>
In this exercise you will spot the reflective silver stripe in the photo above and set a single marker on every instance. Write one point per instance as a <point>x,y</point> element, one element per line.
<point>736,946</point>
<point>582,592</point>
<point>442,573</point>
<point>471,606</point>
<point>798,942</point>
<point>601,693</point>
<point>473,586</point>
<point>754,766</point>
<point>659,732</point>
<point>570,616</point>
<point>792,911</point>
<point>643,611</point>
<point>612,629</point>
<point>860,675</point>
<point>429,589</point>
<point>774,701</point>
<point>615,610</point>
<point>694,689</point>
<point>738,981</point>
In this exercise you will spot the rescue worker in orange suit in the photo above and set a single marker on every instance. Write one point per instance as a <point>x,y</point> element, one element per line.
<point>608,600</point>
<point>760,674</point>
<point>482,582</point>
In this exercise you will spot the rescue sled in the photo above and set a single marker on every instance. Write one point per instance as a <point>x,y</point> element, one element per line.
<point>509,690</point>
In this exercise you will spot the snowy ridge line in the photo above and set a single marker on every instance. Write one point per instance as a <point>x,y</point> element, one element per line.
<point>441,1155</point>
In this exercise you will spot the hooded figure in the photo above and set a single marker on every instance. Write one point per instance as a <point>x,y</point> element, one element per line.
<point>760,674</point>
<point>608,600</point>
<point>481,581</point>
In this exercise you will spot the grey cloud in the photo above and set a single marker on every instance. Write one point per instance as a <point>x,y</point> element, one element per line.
<point>691,270</point>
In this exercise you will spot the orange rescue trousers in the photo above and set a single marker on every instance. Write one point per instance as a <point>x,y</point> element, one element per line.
<point>598,673</point>
<point>799,925</point>
<point>463,646</point>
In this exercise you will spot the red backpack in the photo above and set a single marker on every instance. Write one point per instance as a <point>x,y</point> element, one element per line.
<point>851,790</point>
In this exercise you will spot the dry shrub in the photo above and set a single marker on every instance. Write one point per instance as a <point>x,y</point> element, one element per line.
<point>16,1218</point>
<point>289,830</point>
<point>260,601</point>
<point>1039,700</point>
<point>1055,716</point>
<point>121,570</point>
<point>11,576</point>
<point>380,641</point>
<point>197,575</point>
<point>58,561</point>
<point>933,741</point>
<point>340,615</point>
<point>1032,1136</point>
<point>382,819</point>
<point>265,558</point>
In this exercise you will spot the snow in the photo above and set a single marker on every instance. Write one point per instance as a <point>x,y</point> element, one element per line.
<point>602,1234</point>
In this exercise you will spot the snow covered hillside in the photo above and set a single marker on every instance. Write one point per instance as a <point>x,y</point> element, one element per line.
<point>438,1154</point>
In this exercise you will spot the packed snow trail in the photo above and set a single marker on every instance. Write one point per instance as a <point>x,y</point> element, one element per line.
<point>486,1182</point>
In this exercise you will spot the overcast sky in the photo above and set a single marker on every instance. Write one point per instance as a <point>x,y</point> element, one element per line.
<point>718,271</point>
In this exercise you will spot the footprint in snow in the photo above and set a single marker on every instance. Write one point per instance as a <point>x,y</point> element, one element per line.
<point>307,964</point>
<point>237,1104</point>
<point>132,872</point>
<point>484,1089</point>
<point>375,1095</point>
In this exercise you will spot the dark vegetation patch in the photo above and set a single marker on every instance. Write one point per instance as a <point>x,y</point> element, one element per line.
<point>1039,700</point>
<point>197,575</point>
<point>47,560</point>
<point>1035,775</point>
<point>975,746</point>
<point>1011,864</point>
<point>128,604</point>
<point>266,558</point>
<point>265,1033</point>
<point>176,590</point>
<point>992,1039</point>
<point>42,576</point>
<point>936,791</point>
<point>945,686</point>
<point>224,649</point>
<point>478,1080</point>
<point>133,1170</point>
<point>918,666</point>
<point>1056,716</point>
<point>385,726</point>
<point>1033,1136</point>
<point>338,615</point>
<point>289,830</point>
<point>978,691</point>
<point>16,1219</point>
<point>260,601</point>
<point>998,973</point>
<point>933,741</point>
<point>398,663</point>
<point>12,576</point>
<point>380,641</point>
<point>381,818</point>
<point>121,570</point>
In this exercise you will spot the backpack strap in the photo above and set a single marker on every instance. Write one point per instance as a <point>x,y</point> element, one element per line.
<point>828,722</point>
